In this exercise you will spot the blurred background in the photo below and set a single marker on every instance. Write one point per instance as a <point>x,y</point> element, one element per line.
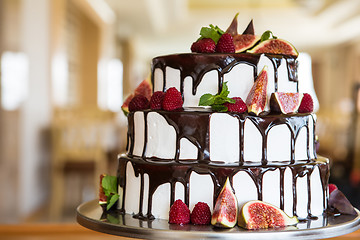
<point>67,65</point>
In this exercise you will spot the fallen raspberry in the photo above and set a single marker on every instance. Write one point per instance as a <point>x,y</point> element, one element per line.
<point>205,45</point>
<point>139,102</point>
<point>172,100</point>
<point>225,44</point>
<point>201,214</point>
<point>239,106</point>
<point>179,213</point>
<point>156,100</point>
<point>306,105</point>
<point>332,187</point>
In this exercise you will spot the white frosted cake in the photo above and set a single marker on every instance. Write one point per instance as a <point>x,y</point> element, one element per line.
<point>188,153</point>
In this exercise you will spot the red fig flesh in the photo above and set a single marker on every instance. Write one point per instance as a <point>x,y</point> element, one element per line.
<point>257,97</point>
<point>260,215</point>
<point>244,42</point>
<point>275,46</point>
<point>285,102</point>
<point>225,210</point>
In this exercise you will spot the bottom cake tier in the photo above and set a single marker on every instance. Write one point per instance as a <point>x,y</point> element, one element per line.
<point>147,188</point>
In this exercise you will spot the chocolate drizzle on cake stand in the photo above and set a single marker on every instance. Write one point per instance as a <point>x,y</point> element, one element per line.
<point>91,215</point>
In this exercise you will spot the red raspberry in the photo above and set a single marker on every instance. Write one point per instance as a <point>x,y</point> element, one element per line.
<point>139,102</point>
<point>179,213</point>
<point>306,105</point>
<point>201,214</point>
<point>332,187</point>
<point>239,106</point>
<point>225,44</point>
<point>156,100</point>
<point>205,45</point>
<point>172,100</point>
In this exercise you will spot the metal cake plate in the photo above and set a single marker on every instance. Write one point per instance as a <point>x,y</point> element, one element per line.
<point>91,215</point>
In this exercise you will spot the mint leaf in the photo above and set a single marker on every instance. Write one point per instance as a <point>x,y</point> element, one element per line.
<point>112,200</point>
<point>109,184</point>
<point>217,101</point>
<point>219,108</point>
<point>206,100</point>
<point>213,32</point>
<point>267,35</point>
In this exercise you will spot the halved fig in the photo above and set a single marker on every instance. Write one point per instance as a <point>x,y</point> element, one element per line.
<point>275,46</point>
<point>226,208</point>
<point>260,215</point>
<point>232,29</point>
<point>339,202</point>
<point>257,97</point>
<point>144,88</point>
<point>244,42</point>
<point>285,102</point>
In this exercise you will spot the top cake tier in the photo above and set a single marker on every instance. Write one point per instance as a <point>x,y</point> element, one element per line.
<point>197,74</point>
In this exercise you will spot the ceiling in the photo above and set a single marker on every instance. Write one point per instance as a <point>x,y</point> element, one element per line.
<point>169,26</point>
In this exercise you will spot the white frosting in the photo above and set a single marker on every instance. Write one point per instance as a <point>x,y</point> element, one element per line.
<point>161,137</point>
<point>244,187</point>
<point>240,80</point>
<point>158,80</point>
<point>161,201</point>
<point>284,84</point>
<point>252,142</point>
<point>139,133</point>
<point>288,192</point>
<point>271,187</point>
<point>146,193</point>
<point>179,191</point>
<point>201,190</point>
<point>172,77</point>
<point>317,196</point>
<point>224,138</point>
<point>187,149</point>
<point>301,196</point>
<point>132,194</point>
<point>300,144</point>
<point>311,136</point>
<point>279,143</point>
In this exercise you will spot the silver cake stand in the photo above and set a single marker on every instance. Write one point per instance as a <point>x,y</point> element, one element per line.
<point>91,215</point>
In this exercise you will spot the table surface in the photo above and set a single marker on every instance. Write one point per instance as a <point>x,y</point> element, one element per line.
<point>74,231</point>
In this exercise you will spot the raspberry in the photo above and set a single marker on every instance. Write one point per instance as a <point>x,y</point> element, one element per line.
<point>239,106</point>
<point>139,102</point>
<point>201,214</point>
<point>156,100</point>
<point>205,45</point>
<point>306,105</point>
<point>179,213</point>
<point>172,100</point>
<point>225,44</point>
<point>332,187</point>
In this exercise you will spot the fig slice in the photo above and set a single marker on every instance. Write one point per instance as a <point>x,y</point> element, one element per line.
<point>275,46</point>
<point>232,29</point>
<point>250,28</point>
<point>338,201</point>
<point>260,215</point>
<point>244,42</point>
<point>285,103</point>
<point>226,208</point>
<point>257,97</point>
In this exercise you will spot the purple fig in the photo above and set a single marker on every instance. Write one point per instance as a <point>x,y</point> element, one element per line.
<point>232,29</point>
<point>338,201</point>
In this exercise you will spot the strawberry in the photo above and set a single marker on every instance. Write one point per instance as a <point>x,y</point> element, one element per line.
<point>201,214</point>
<point>332,187</point>
<point>239,106</point>
<point>172,100</point>
<point>306,105</point>
<point>179,213</point>
<point>225,44</point>
<point>156,100</point>
<point>139,102</point>
<point>204,45</point>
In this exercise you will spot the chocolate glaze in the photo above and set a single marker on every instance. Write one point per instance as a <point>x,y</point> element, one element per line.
<point>179,171</point>
<point>197,65</point>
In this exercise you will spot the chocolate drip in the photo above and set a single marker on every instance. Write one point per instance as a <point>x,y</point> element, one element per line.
<point>172,172</point>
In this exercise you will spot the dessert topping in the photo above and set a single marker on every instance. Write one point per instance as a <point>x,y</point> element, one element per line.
<point>144,88</point>
<point>139,102</point>
<point>306,105</point>
<point>179,213</point>
<point>285,103</point>
<point>156,100</point>
<point>172,100</point>
<point>225,44</point>
<point>257,97</point>
<point>109,188</point>
<point>205,45</point>
<point>217,101</point>
<point>338,203</point>
<point>332,187</point>
<point>201,214</point>
<point>239,106</point>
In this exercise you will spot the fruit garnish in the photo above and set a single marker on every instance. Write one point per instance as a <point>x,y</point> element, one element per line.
<point>179,213</point>
<point>239,106</point>
<point>261,215</point>
<point>144,88</point>
<point>226,208</point>
<point>109,188</point>
<point>201,214</point>
<point>332,187</point>
<point>250,28</point>
<point>307,104</point>
<point>225,44</point>
<point>244,42</point>
<point>172,100</point>
<point>274,45</point>
<point>257,97</point>
<point>205,45</point>
<point>213,32</point>
<point>156,100</point>
<point>139,102</point>
<point>285,102</point>
<point>339,202</point>
<point>217,101</point>
<point>102,196</point>
<point>232,29</point>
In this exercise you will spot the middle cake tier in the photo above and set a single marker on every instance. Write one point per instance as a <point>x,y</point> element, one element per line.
<point>201,135</point>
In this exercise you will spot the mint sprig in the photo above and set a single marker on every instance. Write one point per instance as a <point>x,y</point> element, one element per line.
<point>217,101</point>
<point>267,35</point>
<point>213,32</point>
<point>109,184</point>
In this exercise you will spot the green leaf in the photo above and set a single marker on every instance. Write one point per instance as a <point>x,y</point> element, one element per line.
<point>112,219</point>
<point>109,184</point>
<point>213,32</point>
<point>267,35</point>
<point>112,200</point>
<point>219,108</point>
<point>206,100</point>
